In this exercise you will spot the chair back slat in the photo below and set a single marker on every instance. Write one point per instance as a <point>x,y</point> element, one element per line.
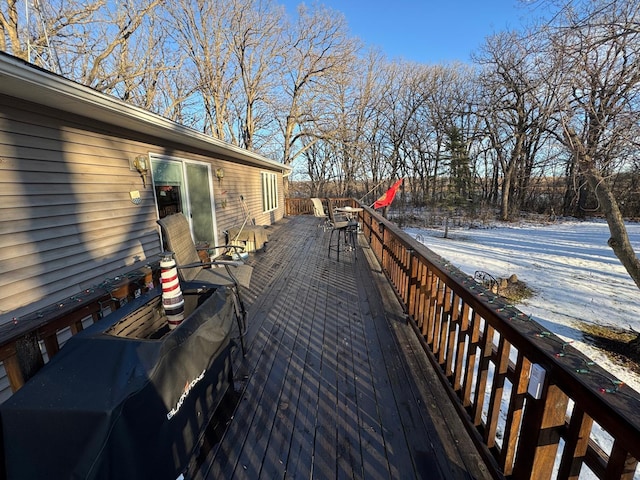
<point>318,208</point>
<point>177,239</point>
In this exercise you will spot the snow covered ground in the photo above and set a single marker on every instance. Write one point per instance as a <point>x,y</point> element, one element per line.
<point>574,274</point>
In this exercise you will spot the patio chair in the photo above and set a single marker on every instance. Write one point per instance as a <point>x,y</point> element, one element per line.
<point>195,278</point>
<point>344,227</point>
<point>319,211</point>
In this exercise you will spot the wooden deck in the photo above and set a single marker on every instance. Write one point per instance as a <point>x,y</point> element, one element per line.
<point>326,389</point>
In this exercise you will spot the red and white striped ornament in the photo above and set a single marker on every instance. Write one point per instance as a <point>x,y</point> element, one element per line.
<point>172,299</point>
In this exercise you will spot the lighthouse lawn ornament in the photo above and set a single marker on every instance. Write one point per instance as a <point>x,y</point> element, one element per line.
<point>172,299</point>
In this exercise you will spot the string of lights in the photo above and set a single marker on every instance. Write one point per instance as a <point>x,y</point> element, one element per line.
<point>108,287</point>
<point>612,385</point>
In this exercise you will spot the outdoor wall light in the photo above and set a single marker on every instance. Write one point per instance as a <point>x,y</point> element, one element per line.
<point>219,174</point>
<point>140,164</point>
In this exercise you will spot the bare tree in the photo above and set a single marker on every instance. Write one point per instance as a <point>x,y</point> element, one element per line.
<point>174,94</point>
<point>426,131</point>
<point>351,99</point>
<point>319,165</point>
<point>256,41</point>
<point>515,111</point>
<point>110,60</point>
<point>317,46</point>
<point>597,59</point>
<point>94,43</point>
<point>450,95</point>
<point>43,30</point>
<point>203,30</point>
<point>404,97</point>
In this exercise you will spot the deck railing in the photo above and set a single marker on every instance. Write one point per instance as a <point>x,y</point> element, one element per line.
<point>303,206</point>
<point>533,404</point>
<point>28,342</point>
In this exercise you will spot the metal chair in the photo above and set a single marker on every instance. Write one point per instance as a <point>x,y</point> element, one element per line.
<point>195,278</point>
<point>344,227</point>
<point>319,211</point>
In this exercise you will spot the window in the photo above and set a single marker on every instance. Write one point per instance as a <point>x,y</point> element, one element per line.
<point>269,191</point>
<point>168,199</point>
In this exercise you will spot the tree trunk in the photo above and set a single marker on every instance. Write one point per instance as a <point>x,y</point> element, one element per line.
<point>619,241</point>
<point>506,192</point>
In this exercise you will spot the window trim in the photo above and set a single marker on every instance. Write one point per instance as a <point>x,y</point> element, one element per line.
<point>269,185</point>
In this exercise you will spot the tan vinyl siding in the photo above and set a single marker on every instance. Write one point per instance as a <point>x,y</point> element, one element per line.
<point>67,222</point>
<point>241,181</point>
<point>66,219</point>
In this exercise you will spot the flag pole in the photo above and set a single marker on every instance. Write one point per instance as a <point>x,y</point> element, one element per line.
<point>362,198</point>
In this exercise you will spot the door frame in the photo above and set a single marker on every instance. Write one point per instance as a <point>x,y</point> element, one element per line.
<point>186,202</point>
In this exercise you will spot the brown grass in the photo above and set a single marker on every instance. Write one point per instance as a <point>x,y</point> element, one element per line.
<point>615,343</point>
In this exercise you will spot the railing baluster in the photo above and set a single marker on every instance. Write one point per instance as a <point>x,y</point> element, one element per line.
<point>451,341</point>
<point>412,285</point>
<point>621,463</point>
<point>463,335</point>
<point>576,444</point>
<point>497,389</point>
<point>444,325</point>
<point>14,374</point>
<point>514,414</point>
<point>434,288</point>
<point>421,308</point>
<point>482,377</point>
<point>51,344</point>
<point>472,347</point>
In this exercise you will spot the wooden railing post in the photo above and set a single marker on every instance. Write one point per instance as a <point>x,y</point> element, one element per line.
<point>515,413</point>
<point>51,345</point>
<point>542,420</point>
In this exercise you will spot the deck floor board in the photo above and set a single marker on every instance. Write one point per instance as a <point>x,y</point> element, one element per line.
<point>328,388</point>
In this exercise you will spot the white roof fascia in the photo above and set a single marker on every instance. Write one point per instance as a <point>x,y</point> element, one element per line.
<point>25,81</point>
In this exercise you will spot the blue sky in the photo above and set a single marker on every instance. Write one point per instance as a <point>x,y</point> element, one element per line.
<point>426,31</point>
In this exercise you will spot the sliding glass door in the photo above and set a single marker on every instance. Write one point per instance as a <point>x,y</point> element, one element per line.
<point>200,201</point>
<point>186,186</point>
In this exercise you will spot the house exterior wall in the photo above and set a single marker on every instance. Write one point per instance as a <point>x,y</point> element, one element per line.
<point>67,221</point>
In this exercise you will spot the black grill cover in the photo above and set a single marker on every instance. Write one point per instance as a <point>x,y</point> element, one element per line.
<point>110,407</point>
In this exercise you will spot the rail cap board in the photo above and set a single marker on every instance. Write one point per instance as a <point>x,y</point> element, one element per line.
<point>615,411</point>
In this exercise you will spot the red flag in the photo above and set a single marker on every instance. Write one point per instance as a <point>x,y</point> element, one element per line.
<point>388,197</point>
